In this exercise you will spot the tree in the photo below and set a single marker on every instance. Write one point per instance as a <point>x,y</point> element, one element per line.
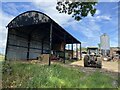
<point>99,45</point>
<point>78,10</point>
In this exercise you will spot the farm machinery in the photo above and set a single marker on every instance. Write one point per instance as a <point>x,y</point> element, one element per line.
<point>93,58</point>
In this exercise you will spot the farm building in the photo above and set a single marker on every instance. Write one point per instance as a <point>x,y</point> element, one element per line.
<point>33,33</point>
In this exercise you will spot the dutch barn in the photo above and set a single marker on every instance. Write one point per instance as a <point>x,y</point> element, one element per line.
<point>33,33</point>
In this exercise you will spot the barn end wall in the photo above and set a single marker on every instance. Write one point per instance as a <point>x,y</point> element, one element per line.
<point>17,48</point>
<point>17,45</point>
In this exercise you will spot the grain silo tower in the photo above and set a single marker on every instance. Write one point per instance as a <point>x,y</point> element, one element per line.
<point>105,44</point>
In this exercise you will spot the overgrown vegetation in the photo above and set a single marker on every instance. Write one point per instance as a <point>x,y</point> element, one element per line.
<point>28,75</point>
<point>1,57</point>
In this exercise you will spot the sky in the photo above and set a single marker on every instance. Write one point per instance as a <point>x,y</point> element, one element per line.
<point>88,30</point>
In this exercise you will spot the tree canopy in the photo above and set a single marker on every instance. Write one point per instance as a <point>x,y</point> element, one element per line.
<point>78,10</point>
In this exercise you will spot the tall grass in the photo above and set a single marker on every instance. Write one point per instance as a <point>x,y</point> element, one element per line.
<point>55,76</point>
<point>2,57</point>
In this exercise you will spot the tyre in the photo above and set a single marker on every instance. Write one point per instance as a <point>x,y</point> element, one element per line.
<point>86,58</point>
<point>99,62</point>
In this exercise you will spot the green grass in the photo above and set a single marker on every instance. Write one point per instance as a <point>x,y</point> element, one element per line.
<point>55,76</point>
<point>1,57</point>
<point>1,60</point>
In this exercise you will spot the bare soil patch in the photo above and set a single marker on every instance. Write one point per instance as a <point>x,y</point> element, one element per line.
<point>111,66</point>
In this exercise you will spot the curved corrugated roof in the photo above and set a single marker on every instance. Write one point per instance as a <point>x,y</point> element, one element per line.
<point>35,17</point>
<point>29,18</point>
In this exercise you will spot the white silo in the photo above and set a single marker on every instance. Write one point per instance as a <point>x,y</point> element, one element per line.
<point>105,44</point>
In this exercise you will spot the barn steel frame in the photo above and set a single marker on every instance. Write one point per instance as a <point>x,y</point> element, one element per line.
<point>32,33</point>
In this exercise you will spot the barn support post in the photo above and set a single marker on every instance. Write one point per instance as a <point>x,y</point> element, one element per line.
<point>64,47</point>
<point>7,45</point>
<point>28,50</point>
<point>68,46</point>
<point>72,49</point>
<point>80,52</point>
<point>77,51</point>
<point>42,46</point>
<point>50,45</point>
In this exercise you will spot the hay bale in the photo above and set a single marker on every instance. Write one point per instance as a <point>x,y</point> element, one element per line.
<point>44,58</point>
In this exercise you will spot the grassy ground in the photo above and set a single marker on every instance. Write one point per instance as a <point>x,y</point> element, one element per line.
<point>1,60</point>
<point>1,57</point>
<point>28,75</point>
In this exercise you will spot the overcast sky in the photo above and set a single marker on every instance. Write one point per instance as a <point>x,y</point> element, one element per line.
<point>88,30</point>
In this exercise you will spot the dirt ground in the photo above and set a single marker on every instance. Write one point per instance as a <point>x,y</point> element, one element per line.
<point>111,66</point>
